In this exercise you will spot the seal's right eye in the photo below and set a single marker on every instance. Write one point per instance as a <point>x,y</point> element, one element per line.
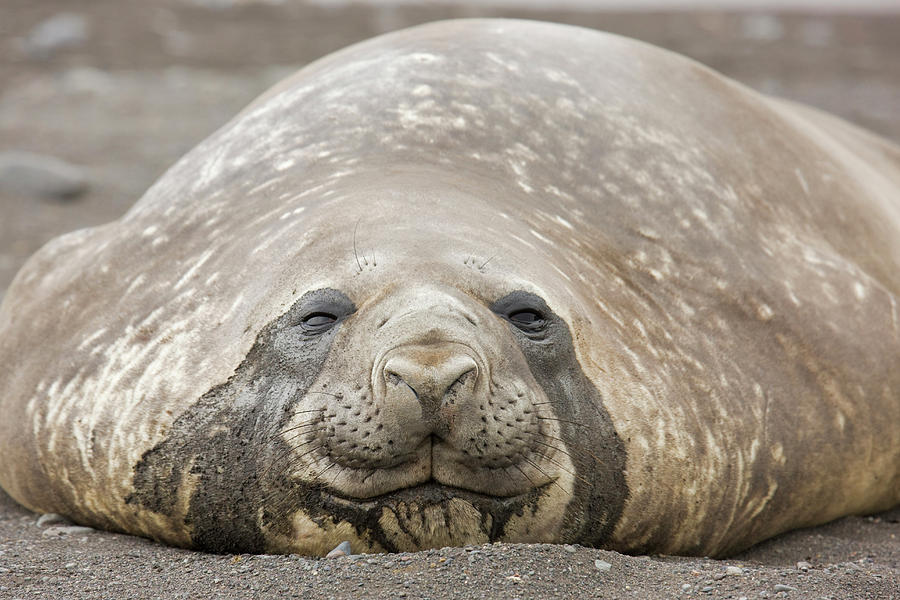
<point>318,321</point>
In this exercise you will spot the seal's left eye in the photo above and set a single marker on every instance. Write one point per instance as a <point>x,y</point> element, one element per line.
<point>318,320</point>
<point>527,319</point>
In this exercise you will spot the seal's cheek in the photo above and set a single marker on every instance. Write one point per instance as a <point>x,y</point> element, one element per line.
<point>546,518</point>
<point>316,537</point>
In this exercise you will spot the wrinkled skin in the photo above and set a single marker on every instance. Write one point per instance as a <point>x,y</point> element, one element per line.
<point>545,284</point>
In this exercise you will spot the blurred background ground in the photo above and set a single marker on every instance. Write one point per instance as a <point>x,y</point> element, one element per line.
<point>119,89</point>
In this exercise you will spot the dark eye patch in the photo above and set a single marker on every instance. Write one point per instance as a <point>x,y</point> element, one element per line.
<point>318,311</point>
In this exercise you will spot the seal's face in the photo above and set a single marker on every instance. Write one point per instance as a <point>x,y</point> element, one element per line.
<point>417,401</point>
<point>426,418</point>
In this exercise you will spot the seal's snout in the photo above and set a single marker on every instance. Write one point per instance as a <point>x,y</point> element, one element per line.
<point>436,375</point>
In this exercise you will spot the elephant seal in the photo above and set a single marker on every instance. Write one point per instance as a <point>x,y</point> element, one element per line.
<point>477,280</point>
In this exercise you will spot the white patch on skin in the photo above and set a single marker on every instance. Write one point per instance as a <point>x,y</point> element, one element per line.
<point>894,317</point>
<point>778,453</point>
<point>764,312</point>
<point>292,213</point>
<point>196,266</point>
<point>539,236</point>
<point>564,223</point>
<point>424,57</point>
<point>524,242</point>
<point>562,273</point>
<point>803,183</point>
<point>91,338</point>
<point>136,283</point>
<point>285,164</point>
<point>790,294</point>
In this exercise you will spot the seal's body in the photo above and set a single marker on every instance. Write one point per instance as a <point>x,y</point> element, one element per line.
<point>475,281</point>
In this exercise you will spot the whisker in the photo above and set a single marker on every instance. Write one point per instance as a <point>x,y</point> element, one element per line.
<point>286,454</point>
<point>331,483</point>
<point>544,473</point>
<point>565,421</point>
<point>328,468</point>
<point>294,437</point>
<point>355,253</point>
<point>486,262</point>
<point>594,456</point>
<point>557,448</point>
<point>562,467</point>
<point>530,480</point>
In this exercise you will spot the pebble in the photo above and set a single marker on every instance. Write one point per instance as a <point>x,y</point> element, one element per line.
<point>602,565</point>
<point>780,587</point>
<point>685,587</point>
<point>62,30</point>
<point>67,530</point>
<point>707,589</point>
<point>342,549</point>
<point>803,566</point>
<point>569,548</point>
<point>48,519</point>
<point>40,176</point>
<point>734,571</point>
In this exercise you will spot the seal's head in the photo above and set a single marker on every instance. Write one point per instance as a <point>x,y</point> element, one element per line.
<point>423,392</point>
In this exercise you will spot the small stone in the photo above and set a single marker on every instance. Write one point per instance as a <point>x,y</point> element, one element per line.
<point>342,549</point>
<point>719,576</point>
<point>63,30</point>
<point>706,589</point>
<point>685,587</point>
<point>602,565</point>
<point>48,519</point>
<point>803,566</point>
<point>765,594</point>
<point>40,176</point>
<point>734,571</point>
<point>780,587</point>
<point>569,548</point>
<point>66,530</point>
<point>71,566</point>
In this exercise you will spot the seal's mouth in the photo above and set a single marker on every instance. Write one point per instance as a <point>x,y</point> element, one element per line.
<point>433,492</point>
<point>435,471</point>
